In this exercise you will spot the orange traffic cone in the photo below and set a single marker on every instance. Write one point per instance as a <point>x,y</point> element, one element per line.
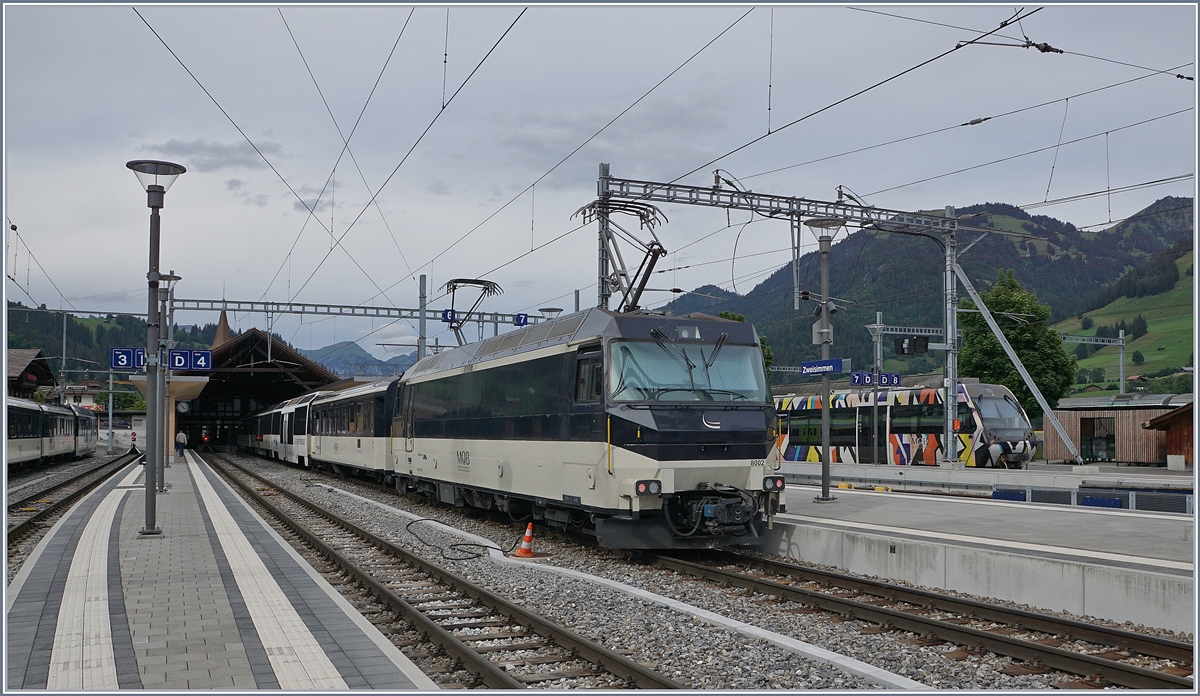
<point>526,550</point>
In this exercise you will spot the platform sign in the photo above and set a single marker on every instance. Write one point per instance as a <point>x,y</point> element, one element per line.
<point>201,359</point>
<point>449,315</point>
<point>889,379</point>
<point>825,367</point>
<point>181,360</point>
<point>521,319</point>
<point>863,379</point>
<point>139,358</point>
<point>121,359</point>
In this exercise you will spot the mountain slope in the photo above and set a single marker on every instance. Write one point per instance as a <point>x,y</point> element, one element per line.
<point>901,276</point>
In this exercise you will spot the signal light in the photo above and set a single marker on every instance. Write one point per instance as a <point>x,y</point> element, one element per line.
<point>804,295</point>
<point>648,487</point>
<point>773,483</point>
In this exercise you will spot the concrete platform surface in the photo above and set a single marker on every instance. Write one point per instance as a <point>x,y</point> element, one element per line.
<point>217,601</point>
<point>1124,565</point>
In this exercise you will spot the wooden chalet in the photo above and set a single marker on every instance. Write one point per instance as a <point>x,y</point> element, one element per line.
<point>1109,428</point>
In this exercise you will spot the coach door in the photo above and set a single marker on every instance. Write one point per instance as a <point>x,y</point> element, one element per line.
<point>287,428</point>
<point>406,413</point>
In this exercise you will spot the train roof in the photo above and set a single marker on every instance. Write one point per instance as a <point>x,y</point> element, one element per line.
<point>33,405</point>
<point>1120,401</point>
<point>355,392</point>
<point>578,327</point>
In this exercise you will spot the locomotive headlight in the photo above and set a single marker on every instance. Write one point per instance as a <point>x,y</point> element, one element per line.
<point>773,483</point>
<point>648,487</point>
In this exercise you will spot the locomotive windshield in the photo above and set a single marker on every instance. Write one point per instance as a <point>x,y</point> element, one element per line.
<point>665,370</point>
<point>1001,414</point>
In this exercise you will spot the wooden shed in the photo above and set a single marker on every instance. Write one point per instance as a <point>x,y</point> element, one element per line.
<point>1109,428</point>
<point>1177,425</point>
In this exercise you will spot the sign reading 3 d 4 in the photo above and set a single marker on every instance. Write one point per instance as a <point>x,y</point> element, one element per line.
<point>191,360</point>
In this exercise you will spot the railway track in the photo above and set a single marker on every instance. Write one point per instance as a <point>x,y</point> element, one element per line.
<point>34,510</point>
<point>1101,655</point>
<point>481,639</point>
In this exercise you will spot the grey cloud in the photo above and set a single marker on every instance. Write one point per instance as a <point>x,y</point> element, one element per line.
<point>311,203</point>
<point>234,184</point>
<point>260,200</point>
<point>438,188</point>
<point>202,155</point>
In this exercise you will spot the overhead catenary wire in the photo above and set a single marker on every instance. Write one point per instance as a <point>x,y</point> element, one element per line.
<point>1016,16</point>
<point>346,142</point>
<point>972,122</point>
<point>1024,42</point>
<point>414,147</point>
<point>345,149</point>
<point>1030,152</point>
<point>253,145</point>
<point>583,144</point>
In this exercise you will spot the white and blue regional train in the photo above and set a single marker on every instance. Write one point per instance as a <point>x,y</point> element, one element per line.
<point>646,431</point>
<point>39,433</point>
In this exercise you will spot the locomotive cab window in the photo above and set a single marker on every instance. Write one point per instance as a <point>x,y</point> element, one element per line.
<point>589,377</point>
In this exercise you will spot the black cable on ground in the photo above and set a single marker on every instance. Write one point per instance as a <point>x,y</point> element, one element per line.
<point>461,547</point>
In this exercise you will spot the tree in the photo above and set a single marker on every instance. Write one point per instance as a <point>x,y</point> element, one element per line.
<point>1081,377</point>
<point>1097,375</point>
<point>1138,358</point>
<point>768,354</point>
<point>1138,328</point>
<point>1085,323</point>
<point>1036,344</point>
<point>128,401</point>
<point>1081,351</point>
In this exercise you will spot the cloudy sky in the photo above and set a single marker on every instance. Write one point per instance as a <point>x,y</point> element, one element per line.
<point>475,133</point>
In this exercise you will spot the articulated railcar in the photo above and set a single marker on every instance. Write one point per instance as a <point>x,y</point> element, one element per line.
<point>38,433</point>
<point>644,430</point>
<point>280,432</point>
<point>993,430</point>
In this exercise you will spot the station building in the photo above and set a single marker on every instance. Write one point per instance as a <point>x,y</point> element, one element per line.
<point>1109,428</point>
<point>251,371</point>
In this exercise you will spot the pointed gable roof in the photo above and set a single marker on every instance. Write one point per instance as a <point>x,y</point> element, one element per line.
<point>223,332</point>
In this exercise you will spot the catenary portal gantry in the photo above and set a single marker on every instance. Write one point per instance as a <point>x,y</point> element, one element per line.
<point>616,195</point>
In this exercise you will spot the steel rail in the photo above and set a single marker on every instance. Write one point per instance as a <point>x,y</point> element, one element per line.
<point>1055,658</point>
<point>63,484</point>
<point>1152,646</point>
<point>24,527</point>
<point>618,665</point>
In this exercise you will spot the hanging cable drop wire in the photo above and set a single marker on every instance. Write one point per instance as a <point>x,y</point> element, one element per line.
<point>1030,152</point>
<point>414,147</point>
<point>331,182</point>
<point>1025,42</point>
<point>972,122</point>
<point>1017,16</point>
<point>252,144</point>
<point>572,153</point>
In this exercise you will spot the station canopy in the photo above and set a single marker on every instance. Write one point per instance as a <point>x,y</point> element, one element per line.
<point>251,371</point>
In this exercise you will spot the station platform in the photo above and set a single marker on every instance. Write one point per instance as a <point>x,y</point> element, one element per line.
<point>216,601</point>
<point>1121,565</point>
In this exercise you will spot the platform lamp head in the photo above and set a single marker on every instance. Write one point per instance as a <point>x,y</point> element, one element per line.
<point>156,177</point>
<point>551,312</point>
<point>825,226</point>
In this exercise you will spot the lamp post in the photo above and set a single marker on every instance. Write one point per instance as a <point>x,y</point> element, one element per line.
<point>825,229</point>
<point>155,177</point>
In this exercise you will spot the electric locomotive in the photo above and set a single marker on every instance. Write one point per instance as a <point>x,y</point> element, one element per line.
<point>648,431</point>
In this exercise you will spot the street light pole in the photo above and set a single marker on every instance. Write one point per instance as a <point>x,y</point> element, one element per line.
<point>156,177</point>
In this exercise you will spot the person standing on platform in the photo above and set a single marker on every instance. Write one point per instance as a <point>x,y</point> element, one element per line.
<point>180,442</point>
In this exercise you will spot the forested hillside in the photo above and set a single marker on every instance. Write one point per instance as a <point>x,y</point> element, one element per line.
<point>1068,268</point>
